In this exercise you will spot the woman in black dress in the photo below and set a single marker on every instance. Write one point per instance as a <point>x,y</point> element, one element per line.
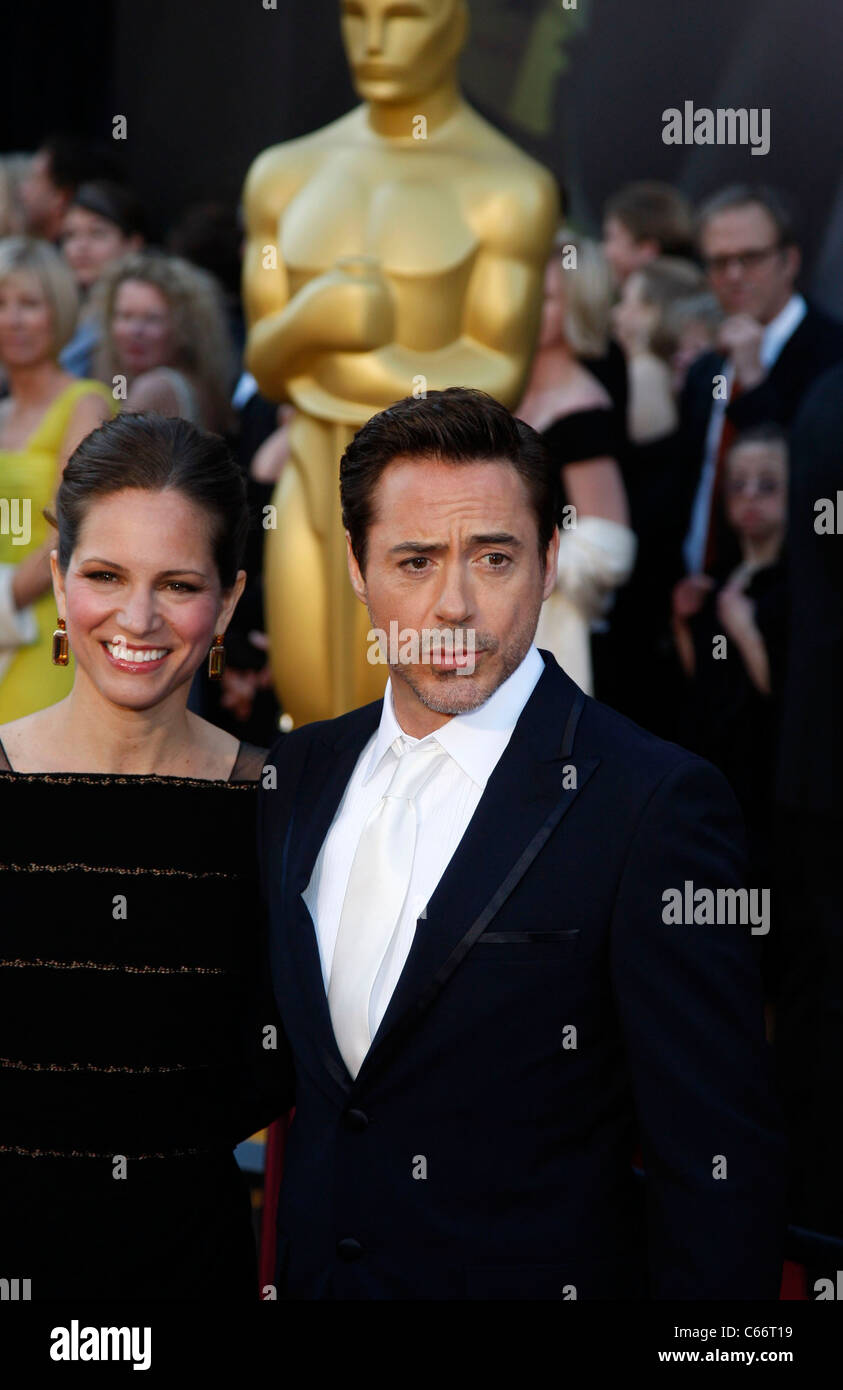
<point>637,662</point>
<point>574,412</point>
<point>139,1041</point>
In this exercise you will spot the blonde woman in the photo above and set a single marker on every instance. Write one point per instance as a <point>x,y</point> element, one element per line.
<point>567,404</point>
<point>165,335</point>
<point>45,415</point>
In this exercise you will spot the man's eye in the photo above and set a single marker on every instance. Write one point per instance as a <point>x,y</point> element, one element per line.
<point>414,560</point>
<point>497,555</point>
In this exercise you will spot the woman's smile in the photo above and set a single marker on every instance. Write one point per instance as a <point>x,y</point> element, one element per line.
<point>138,660</point>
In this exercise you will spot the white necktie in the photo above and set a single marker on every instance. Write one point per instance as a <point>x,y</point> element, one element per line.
<point>377,887</point>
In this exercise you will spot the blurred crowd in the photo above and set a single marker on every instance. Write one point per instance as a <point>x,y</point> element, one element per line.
<point>691,398</point>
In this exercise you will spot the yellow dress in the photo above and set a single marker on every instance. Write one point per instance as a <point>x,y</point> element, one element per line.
<point>31,681</point>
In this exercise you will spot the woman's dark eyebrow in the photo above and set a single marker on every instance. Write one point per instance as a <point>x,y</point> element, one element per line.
<point>113,565</point>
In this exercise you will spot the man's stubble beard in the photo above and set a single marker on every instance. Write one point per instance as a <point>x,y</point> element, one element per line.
<point>443,698</point>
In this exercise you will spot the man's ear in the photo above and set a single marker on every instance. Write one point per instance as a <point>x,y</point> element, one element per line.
<point>355,574</point>
<point>794,259</point>
<point>551,561</point>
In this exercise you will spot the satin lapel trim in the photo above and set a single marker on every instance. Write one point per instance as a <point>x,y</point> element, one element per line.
<point>441,941</point>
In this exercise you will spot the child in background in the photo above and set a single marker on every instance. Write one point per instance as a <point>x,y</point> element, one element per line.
<point>732,649</point>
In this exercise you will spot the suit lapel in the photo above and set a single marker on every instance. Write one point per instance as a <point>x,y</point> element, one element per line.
<point>528,793</point>
<point>531,788</point>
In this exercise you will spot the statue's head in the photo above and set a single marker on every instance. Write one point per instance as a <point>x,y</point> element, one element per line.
<point>400,49</point>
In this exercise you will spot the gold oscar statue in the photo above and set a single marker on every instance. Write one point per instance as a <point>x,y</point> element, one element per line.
<point>400,249</point>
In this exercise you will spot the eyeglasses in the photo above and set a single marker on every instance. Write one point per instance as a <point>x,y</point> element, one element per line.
<point>747,260</point>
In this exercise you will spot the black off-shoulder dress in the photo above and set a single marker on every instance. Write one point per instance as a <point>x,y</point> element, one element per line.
<point>580,437</point>
<point>134,1009</point>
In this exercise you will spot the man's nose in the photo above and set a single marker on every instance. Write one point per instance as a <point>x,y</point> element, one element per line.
<point>454,601</point>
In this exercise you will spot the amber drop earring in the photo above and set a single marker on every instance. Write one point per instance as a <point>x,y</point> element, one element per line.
<point>216,658</point>
<point>60,647</point>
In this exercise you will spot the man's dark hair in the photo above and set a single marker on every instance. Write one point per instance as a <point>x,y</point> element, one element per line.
<point>457,425</point>
<point>657,212</point>
<point>741,195</point>
<point>113,201</point>
<point>207,234</point>
<point>74,161</point>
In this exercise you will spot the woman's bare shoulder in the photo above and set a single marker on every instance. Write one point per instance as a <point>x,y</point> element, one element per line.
<point>23,738</point>
<point>216,750</point>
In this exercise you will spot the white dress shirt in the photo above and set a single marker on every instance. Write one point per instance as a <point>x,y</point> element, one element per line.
<point>474,743</point>
<point>776,334</point>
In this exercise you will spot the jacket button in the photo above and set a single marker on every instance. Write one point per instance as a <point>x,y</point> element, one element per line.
<point>349,1249</point>
<point>356,1120</point>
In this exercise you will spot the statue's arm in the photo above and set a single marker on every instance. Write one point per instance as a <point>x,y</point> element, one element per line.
<point>502,309</point>
<point>333,312</point>
<point>285,333</point>
<point>270,184</point>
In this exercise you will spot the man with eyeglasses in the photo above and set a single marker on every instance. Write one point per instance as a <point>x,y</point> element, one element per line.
<point>772,345</point>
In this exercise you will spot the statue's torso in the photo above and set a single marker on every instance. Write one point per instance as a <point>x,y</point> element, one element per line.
<point>411,211</point>
<point>452,224</point>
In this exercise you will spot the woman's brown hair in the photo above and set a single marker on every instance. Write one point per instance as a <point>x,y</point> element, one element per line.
<point>156,453</point>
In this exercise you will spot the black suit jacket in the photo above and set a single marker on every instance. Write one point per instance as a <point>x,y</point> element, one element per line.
<point>485,1149</point>
<point>810,777</point>
<point>814,347</point>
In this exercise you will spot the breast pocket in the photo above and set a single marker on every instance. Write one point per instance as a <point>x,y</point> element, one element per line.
<point>530,947</point>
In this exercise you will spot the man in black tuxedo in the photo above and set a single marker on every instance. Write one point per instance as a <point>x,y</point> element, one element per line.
<point>809,993</point>
<point>492,992</point>
<point>772,346</point>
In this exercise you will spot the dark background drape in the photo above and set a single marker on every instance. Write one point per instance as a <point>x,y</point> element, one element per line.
<point>205,86</point>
